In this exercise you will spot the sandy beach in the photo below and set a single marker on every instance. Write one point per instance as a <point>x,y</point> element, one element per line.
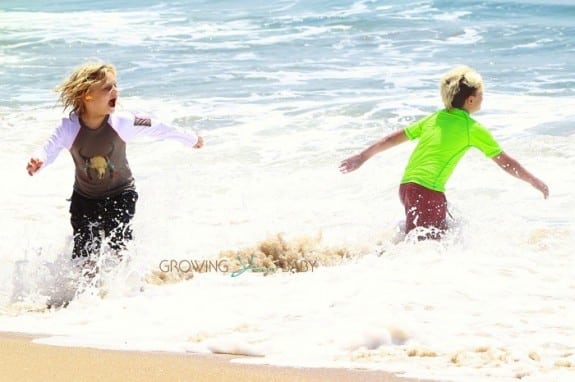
<point>23,360</point>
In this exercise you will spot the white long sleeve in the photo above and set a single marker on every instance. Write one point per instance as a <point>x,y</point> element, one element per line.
<point>130,127</point>
<point>61,138</point>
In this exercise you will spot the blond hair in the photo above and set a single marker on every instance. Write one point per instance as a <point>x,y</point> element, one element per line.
<point>80,82</point>
<point>458,85</point>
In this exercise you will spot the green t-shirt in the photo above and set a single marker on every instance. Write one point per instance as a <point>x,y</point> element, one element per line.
<point>444,137</point>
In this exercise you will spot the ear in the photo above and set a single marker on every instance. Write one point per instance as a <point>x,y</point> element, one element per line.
<point>88,97</point>
<point>469,103</point>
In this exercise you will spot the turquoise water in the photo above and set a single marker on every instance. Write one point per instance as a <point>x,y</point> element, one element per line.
<point>234,49</point>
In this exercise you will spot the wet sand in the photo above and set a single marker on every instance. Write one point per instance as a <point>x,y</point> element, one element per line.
<point>23,360</point>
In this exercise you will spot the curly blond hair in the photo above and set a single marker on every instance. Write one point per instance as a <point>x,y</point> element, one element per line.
<point>80,82</point>
<point>458,85</point>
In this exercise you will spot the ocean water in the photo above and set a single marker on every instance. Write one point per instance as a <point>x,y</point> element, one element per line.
<point>281,93</point>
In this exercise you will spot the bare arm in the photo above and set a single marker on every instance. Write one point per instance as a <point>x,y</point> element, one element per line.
<point>512,167</point>
<point>354,162</point>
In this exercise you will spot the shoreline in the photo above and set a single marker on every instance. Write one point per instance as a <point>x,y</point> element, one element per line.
<point>23,360</point>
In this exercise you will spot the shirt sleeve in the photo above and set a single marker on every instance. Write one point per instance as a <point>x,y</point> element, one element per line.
<point>61,138</point>
<point>414,130</point>
<point>482,139</point>
<point>131,127</point>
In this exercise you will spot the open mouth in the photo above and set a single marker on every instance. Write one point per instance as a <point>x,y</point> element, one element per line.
<point>112,102</point>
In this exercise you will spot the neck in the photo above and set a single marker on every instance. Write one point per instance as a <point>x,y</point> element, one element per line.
<point>93,121</point>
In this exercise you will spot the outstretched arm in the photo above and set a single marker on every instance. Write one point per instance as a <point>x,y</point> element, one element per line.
<point>62,137</point>
<point>130,127</point>
<point>512,167</point>
<point>354,162</point>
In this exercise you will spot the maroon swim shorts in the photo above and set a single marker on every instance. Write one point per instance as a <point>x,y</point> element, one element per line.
<point>424,208</point>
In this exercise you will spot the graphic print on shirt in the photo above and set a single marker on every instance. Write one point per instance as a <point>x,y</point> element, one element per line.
<point>142,121</point>
<point>95,167</point>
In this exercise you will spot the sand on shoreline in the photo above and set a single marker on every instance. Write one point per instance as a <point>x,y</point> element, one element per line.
<point>23,360</point>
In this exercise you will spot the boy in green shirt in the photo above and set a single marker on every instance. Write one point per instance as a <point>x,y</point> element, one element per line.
<point>444,137</point>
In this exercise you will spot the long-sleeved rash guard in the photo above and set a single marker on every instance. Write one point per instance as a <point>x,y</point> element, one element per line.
<point>99,155</point>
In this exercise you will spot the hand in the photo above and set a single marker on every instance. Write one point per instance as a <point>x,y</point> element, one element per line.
<point>200,143</point>
<point>33,166</point>
<point>541,187</point>
<point>350,164</point>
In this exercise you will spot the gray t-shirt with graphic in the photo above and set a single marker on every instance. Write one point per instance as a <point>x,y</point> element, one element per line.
<point>102,168</point>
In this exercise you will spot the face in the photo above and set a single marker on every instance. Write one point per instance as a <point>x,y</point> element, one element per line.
<point>473,102</point>
<point>102,98</point>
